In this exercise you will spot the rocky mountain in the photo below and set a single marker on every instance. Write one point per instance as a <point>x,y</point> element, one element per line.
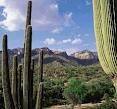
<point>85,54</point>
<point>86,57</point>
<point>79,58</point>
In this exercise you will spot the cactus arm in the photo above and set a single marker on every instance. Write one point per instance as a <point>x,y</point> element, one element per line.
<point>19,87</point>
<point>15,82</point>
<point>39,102</point>
<point>29,12</point>
<point>31,85</point>
<point>27,65</point>
<point>41,66</point>
<point>8,100</point>
<point>28,18</point>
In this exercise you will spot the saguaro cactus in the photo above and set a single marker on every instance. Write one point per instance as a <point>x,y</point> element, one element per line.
<point>28,18</point>
<point>8,100</point>
<point>27,69</point>
<point>31,84</point>
<point>105,24</point>
<point>15,82</point>
<point>39,103</point>
<point>19,87</point>
<point>41,66</point>
<point>29,12</point>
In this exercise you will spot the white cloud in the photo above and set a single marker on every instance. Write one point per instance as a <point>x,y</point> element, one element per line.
<point>56,30</point>
<point>49,41</point>
<point>45,15</point>
<point>66,41</point>
<point>52,41</point>
<point>77,41</point>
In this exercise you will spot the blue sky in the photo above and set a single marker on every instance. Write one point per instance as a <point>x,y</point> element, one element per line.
<point>65,25</point>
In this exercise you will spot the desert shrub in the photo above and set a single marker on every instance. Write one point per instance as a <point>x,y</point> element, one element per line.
<point>108,104</point>
<point>97,89</point>
<point>53,90</point>
<point>75,91</point>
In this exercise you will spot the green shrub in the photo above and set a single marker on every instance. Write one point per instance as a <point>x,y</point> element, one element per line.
<point>75,91</point>
<point>97,89</point>
<point>107,105</point>
<point>53,90</point>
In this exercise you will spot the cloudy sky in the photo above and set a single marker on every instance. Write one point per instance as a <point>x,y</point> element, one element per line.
<point>65,25</point>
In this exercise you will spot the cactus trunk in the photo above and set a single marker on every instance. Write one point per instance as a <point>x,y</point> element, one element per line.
<point>114,80</point>
<point>8,100</point>
<point>39,103</point>
<point>27,69</point>
<point>29,12</point>
<point>41,66</point>
<point>15,82</point>
<point>28,18</point>
<point>31,85</point>
<point>105,24</point>
<point>19,87</point>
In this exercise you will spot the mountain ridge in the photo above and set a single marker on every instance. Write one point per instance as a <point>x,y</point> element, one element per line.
<point>84,57</point>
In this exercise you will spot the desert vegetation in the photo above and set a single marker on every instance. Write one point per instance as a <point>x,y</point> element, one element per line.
<point>30,85</point>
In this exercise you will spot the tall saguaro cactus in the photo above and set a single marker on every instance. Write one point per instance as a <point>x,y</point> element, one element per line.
<point>15,82</point>
<point>105,24</point>
<point>31,84</point>
<point>28,18</point>
<point>13,98</point>
<point>29,13</point>
<point>8,100</point>
<point>39,102</point>
<point>27,65</point>
<point>41,66</point>
<point>19,87</point>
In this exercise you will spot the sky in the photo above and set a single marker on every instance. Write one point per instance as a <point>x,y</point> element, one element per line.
<point>65,25</point>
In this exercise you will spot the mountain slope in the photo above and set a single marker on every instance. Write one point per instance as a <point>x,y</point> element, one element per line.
<point>79,58</point>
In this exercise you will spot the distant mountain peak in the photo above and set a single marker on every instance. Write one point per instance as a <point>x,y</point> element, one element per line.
<point>85,54</point>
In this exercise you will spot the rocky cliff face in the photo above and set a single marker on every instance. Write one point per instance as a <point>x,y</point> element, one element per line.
<point>85,55</point>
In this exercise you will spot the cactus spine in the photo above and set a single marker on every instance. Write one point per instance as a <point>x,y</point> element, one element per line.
<point>15,82</point>
<point>19,87</point>
<point>8,100</point>
<point>39,103</point>
<point>27,65</point>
